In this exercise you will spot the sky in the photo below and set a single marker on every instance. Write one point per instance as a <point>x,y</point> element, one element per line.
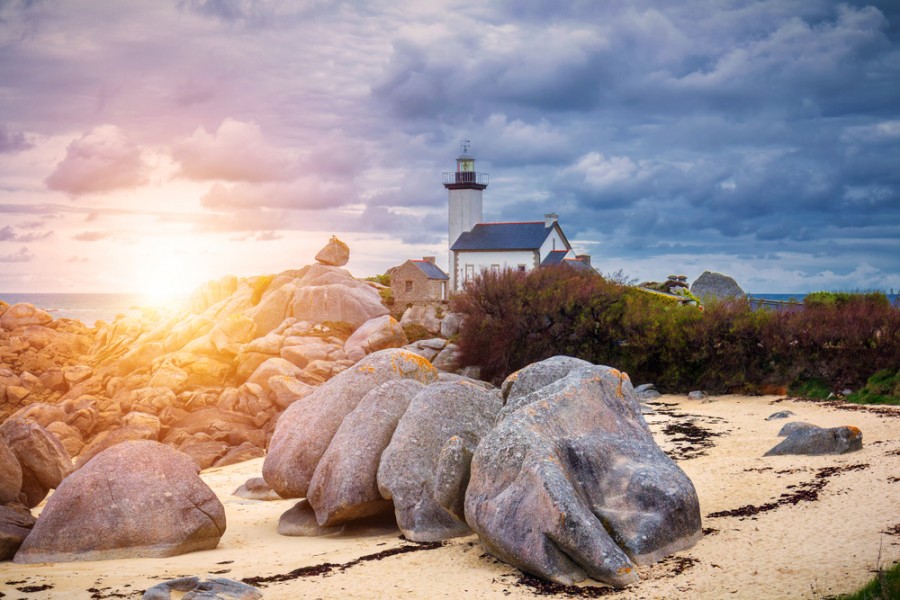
<point>149,146</point>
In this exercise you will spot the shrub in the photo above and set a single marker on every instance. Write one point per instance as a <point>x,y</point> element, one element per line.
<point>810,388</point>
<point>884,586</point>
<point>514,318</point>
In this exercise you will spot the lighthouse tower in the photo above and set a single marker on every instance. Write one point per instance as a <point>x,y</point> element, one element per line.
<point>464,187</point>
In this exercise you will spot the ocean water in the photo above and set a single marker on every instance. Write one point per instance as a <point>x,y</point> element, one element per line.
<point>894,298</point>
<point>87,308</point>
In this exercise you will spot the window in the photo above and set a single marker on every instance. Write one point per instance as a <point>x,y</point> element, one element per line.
<point>470,272</point>
<point>522,268</point>
<point>495,268</point>
<point>409,285</point>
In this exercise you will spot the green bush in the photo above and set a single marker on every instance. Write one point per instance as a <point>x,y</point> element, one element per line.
<point>884,586</point>
<point>514,318</point>
<point>882,388</point>
<point>810,388</point>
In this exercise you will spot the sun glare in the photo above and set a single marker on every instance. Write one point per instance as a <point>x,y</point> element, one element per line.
<point>164,279</point>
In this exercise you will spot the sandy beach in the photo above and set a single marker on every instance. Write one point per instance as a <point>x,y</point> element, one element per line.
<point>775,527</point>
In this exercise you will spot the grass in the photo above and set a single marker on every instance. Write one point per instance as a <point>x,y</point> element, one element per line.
<point>810,388</point>
<point>884,586</point>
<point>882,388</point>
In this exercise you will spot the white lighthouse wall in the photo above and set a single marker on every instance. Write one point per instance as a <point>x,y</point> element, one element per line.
<point>465,211</point>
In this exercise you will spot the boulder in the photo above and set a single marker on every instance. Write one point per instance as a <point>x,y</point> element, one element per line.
<point>285,390</point>
<point>424,315</point>
<point>10,475</point>
<point>818,440</point>
<point>43,458</point>
<point>450,324</point>
<point>16,522</point>
<point>373,335</point>
<point>246,451</point>
<point>793,426</point>
<point>271,368</point>
<point>338,303</point>
<point>135,426</point>
<point>300,520</point>
<point>23,314</point>
<point>536,376</point>
<point>272,310</point>
<point>137,499</point>
<point>306,428</point>
<point>228,335</point>
<point>572,484</point>
<point>440,414</point>
<point>447,359</point>
<point>344,485</point>
<point>716,285</point>
<point>255,488</point>
<point>696,395</point>
<point>68,436</point>
<point>216,588</point>
<point>335,253</point>
<point>781,414</point>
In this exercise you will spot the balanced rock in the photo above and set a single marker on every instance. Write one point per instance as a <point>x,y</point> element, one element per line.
<point>572,485</point>
<point>345,484</point>
<point>151,503</point>
<point>306,428</point>
<point>44,460</point>
<point>818,440</point>
<point>335,253</point>
<point>716,285</point>
<point>411,467</point>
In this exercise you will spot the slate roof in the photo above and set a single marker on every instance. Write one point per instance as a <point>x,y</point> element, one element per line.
<point>431,270</point>
<point>554,258</point>
<point>504,236</point>
<point>578,265</point>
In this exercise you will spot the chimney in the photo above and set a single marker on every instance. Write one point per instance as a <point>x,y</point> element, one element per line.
<point>585,258</point>
<point>428,259</point>
<point>550,219</point>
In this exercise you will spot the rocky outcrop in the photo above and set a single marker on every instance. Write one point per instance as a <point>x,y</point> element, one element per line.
<point>572,485</point>
<point>43,460</point>
<point>306,428</point>
<point>716,285</point>
<point>812,440</point>
<point>136,499</point>
<point>344,485</point>
<point>15,525</point>
<point>22,315</point>
<point>441,414</point>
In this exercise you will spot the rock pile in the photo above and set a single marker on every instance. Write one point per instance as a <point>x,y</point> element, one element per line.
<point>557,473</point>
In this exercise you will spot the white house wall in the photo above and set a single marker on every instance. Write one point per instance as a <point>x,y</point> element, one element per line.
<point>487,260</point>
<point>553,242</point>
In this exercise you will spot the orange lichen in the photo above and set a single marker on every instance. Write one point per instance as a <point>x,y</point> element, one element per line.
<point>623,570</point>
<point>854,431</point>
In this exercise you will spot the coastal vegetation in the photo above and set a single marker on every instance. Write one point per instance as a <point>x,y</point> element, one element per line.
<point>832,342</point>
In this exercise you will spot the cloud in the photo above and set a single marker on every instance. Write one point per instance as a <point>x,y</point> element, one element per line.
<point>91,236</point>
<point>8,234</point>
<point>100,161</point>
<point>236,151</point>
<point>22,255</point>
<point>306,193</point>
<point>12,142</point>
<point>77,259</point>
<point>409,228</point>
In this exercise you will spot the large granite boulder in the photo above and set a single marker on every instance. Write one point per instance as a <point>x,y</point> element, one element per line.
<point>716,285</point>
<point>10,475</point>
<point>15,525</point>
<point>306,428</point>
<point>339,303</point>
<point>373,335</point>
<point>137,499</point>
<point>412,469</point>
<point>424,315</point>
<point>345,484</point>
<point>335,253</point>
<point>43,459</point>
<point>812,440</point>
<point>572,484</point>
<point>536,376</point>
<point>23,315</point>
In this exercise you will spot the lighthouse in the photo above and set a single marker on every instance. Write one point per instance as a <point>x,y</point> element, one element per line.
<point>464,188</point>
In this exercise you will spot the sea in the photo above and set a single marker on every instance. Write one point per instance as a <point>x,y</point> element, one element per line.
<point>90,308</point>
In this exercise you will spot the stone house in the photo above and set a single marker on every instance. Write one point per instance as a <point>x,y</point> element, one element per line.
<point>419,281</point>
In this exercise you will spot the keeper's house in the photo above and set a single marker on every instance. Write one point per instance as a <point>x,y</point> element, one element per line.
<point>419,281</point>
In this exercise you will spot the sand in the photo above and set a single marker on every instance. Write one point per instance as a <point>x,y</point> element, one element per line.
<point>827,543</point>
